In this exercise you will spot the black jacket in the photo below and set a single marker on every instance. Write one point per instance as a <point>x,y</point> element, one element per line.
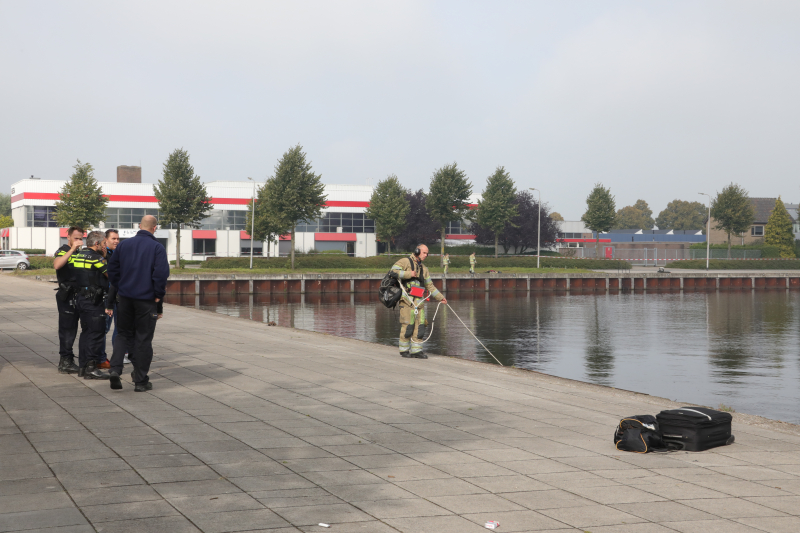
<point>139,267</point>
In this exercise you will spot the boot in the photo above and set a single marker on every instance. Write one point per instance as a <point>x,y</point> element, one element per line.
<point>66,365</point>
<point>116,383</point>
<point>405,354</point>
<point>92,372</point>
<point>420,355</point>
<point>144,387</point>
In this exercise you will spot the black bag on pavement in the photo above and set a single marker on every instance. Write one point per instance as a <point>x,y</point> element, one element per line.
<point>390,292</point>
<point>639,433</point>
<point>695,428</point>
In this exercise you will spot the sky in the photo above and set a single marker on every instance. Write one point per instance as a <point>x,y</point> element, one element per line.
<point>656,100</point>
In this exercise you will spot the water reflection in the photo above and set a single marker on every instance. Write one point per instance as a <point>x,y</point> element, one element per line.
<point>741,348</point>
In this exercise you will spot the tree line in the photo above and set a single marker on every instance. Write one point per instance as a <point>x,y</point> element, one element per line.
<point>731,210</point>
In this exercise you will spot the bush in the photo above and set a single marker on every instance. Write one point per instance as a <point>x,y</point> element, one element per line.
<point>767,251</point>
<point>41,262</point>
<point>734,264</point>
<point>32,251</point>
<point>385,262</point>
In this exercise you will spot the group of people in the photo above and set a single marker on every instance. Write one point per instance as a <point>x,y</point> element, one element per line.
<point>103,280</point>
<point>472,262</point>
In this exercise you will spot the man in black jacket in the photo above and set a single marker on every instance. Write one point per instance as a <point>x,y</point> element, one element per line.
<point>65,300</point>
<point>139,270</point>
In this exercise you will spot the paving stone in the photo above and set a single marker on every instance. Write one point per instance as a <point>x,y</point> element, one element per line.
<point>511,521</point>
<point>196,488</point>
<point>41,519</point>
<point>160,524</point>
<point>18,503</point>
<point>439,524</point>
<point>401,508</point>
<point>193,505</point>
<point>327,514</point>
<point>128,511</point>
<point>718,525</point>
<point>772,524</point>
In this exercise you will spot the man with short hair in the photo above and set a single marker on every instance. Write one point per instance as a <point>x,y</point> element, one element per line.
<point>139,270</point>
<point>412,274</point>
<point>65,301</point>
<point>112,240</point>
<point>91,279</point>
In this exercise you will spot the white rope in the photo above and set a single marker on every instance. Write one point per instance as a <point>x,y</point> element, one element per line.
<point>470,332</point>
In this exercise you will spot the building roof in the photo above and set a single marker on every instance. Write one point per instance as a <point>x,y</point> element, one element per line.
<point>763,208</point>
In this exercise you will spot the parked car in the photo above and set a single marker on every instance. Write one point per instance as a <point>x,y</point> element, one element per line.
<point>14,259</point>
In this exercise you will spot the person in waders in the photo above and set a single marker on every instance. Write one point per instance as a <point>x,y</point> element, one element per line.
<point>414,276</point>
<point>446,263</point>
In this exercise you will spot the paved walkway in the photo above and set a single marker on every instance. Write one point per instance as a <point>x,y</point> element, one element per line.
<point>255,428</point>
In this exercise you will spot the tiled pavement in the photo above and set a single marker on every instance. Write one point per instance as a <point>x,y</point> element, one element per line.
<point>251,428</point>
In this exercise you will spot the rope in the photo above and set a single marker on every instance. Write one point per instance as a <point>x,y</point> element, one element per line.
<point>470,332</point>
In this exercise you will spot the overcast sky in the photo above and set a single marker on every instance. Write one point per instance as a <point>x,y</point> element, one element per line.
<point>656,100</point>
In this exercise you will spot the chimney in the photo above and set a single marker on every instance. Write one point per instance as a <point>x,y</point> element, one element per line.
<point>126,174</point>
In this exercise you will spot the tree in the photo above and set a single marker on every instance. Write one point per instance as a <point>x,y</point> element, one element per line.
<point>182,197</point>
<point>267,227</point>
<point>388,207</point>
<point>520,234</point>
<point>5,205</point>
<point>779,230</point>
<point>636,216</point>
<point>497,207</point>
<point>733,211</point>
<point>81,201</point>
<point>6,221</point>
<point>599,215</point>
<point>447,198</point>
<point>555,215</point>
<point>420,227</point>
<point>296,193</point>
<point>683,215</point>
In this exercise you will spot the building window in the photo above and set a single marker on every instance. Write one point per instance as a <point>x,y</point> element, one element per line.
<point>458,227</point>
<point>570,236</point>
<point>330,222</point>
<point>757,231</point>
<point>204,247</point>
<point>127,217</point>
<point>258,247</point>
<point>40,216</point>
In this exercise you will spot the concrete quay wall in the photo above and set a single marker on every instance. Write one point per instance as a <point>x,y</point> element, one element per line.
<point>369,283</point>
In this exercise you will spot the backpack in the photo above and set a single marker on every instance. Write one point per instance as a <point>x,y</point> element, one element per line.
<point>389,293</point>
<point>638,434</point>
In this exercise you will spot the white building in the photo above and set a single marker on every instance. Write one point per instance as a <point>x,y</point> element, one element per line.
<point>343,225</point>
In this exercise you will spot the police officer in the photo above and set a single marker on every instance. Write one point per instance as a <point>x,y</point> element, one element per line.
<point>411,273</point>
<point>89,266</point>
<point>112,240</point>
<point>65,301</point>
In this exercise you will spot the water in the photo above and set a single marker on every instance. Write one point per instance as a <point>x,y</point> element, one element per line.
<point>738,348</point>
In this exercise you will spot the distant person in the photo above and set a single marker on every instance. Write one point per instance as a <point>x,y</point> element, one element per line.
<point>411,273</point>
<point>112,240</point>
<point>139,270</point>
<point>91,277</point>
<point>65,301</point>
<point>446,263</point>
<point>472,262</point>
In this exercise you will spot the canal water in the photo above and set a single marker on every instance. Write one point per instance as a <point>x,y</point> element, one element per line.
<point>737,348</point>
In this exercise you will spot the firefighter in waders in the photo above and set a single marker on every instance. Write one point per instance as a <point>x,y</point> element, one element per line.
<point>472,261</point>
<point>412,274</point>
<point>446,263</point>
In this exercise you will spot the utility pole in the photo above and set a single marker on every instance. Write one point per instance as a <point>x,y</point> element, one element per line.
<point>539,227</point>
<point>252,224</point>
<point>708,230</point>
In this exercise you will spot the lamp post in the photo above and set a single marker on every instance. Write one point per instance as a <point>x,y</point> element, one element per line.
<point>708,230</point>
<point>253,223</point>
<point>538,227</point>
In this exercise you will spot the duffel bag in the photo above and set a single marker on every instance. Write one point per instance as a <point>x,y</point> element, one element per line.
<point>695,428</point>
<point>639,433</point>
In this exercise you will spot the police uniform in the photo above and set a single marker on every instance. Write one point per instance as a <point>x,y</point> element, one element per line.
<point>90,267</point>
<point>67,315</point>
<point>412,273</point>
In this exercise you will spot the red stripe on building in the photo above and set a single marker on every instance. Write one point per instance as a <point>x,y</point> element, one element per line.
<point>243,235</point>
<point>583,240</point>
<point>204,234</point>
<point>153,199</point>
<point>349,237</point>
<point>457,237</point>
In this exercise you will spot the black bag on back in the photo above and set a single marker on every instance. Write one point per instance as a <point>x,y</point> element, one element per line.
<point>696,428</point>
<point>639,434</point>
<point>390,292</point>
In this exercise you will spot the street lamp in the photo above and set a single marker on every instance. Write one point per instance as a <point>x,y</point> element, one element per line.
<point>708,230</point>
<point>253,223</point>
<point>539,227</point>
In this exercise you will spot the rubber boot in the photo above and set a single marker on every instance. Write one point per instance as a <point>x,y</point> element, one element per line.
<point>420,355</point>
<point>405,354</point>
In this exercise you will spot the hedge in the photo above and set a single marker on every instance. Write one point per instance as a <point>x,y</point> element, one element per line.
<point>734,264</point>
<point>381,262</point>
<point>32,251</point>
<point>41,262</point>
<point>767,250</point>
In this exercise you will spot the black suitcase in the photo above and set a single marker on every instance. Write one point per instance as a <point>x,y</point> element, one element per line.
<point>695,428</point>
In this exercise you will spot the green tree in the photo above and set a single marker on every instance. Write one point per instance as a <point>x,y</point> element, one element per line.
<point>5,204</point>
<point>388,207</point>
<point>267,228</point>
<point>80,200</point>
<point>447,198</point>
<point>683,215</point>
<point>779,230</point>
<point>600,213</point>
<point>6,221</point>
<point>182,197</point>
<point>556,216</point>
<point>295,192</point>
<point>497,205</point>
<point>636,216</point>
<point>733,211</point>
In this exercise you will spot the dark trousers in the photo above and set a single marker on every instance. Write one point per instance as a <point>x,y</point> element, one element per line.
<point>136,324</point>
<point>109,320</point>
<point>67,327</point>
<point>93,330</point>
